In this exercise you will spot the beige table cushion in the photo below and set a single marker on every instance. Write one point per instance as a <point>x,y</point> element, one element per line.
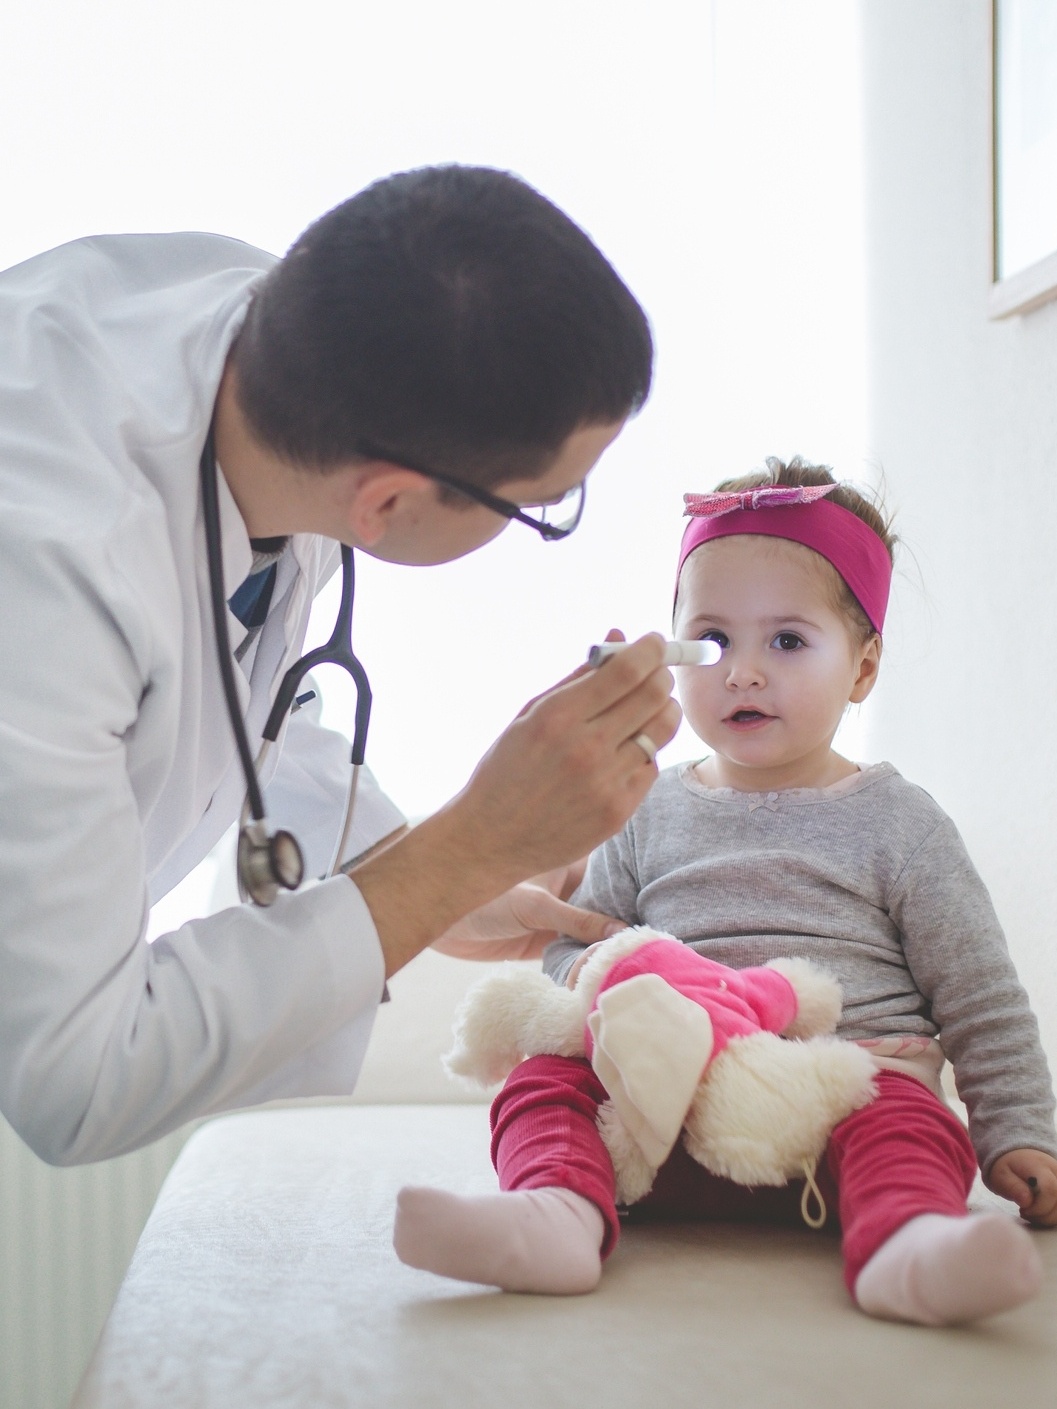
<point>266,1277</point>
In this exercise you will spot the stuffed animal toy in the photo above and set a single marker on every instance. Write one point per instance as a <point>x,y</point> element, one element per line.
<point>737,1060</point>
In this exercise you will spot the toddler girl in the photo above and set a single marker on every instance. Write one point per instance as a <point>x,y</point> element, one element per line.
<point>776,845</point>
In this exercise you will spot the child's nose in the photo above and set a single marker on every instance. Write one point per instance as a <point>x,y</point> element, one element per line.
<point>744,668</point>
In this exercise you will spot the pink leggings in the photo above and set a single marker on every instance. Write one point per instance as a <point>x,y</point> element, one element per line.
<point>902,1155</point>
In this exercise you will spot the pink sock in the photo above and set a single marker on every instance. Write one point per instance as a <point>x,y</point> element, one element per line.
<point>939,1271</point>
<point>531,1240</point>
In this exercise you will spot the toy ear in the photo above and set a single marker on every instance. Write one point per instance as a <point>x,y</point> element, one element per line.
<point>818,997</point>
<point>651,1045</point>
<point>512,1014</point>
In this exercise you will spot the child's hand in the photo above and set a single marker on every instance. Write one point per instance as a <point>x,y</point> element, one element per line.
<point>1029,1179</point>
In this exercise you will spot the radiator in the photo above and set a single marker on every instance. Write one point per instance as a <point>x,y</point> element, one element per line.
<point>66,1237</point>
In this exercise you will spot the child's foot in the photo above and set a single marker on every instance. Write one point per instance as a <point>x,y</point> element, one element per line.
<point>532,1240</point>
<point>939,1271</point>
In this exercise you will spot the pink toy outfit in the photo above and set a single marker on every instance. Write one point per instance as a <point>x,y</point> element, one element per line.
<point>738,1002</point>
<point>902,1155</point>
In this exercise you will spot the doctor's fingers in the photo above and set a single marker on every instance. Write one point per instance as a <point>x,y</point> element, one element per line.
<point>612,710</point>
<point>634,720</point>
<point>582,670</point>
<point>591,745</point>
<point>632,675</point>
<point>629,733</point>
<point>552,788</point>
<point>597,775</point>
<point>588,692</point>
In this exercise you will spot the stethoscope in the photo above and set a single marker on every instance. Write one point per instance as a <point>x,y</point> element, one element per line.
<point>269,861</point>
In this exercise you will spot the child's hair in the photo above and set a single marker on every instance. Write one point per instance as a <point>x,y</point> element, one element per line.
<point>872,513</point>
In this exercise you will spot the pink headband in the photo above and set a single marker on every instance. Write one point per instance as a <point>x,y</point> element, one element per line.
<point>801,514</point>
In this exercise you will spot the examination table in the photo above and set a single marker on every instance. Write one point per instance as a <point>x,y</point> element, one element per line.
<point>266,1277</point>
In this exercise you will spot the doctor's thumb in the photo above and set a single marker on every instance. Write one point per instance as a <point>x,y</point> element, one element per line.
<point>587,925</point>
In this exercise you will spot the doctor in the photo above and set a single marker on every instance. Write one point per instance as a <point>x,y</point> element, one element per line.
<point>449,318</point>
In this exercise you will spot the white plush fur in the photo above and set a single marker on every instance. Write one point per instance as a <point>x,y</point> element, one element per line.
<point>511,1014</point>
<point>768,1104</point>
<point>518,1012</point>
<point>635,1175</point>
<point>818,997</point>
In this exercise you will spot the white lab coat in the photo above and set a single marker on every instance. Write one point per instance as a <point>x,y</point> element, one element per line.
<point>118,769</point>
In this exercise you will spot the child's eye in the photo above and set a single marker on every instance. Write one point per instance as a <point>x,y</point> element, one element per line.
<point>788,641</point>
<point>720,639</point>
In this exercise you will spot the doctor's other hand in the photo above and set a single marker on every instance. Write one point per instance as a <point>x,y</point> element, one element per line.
<point>523,921</point>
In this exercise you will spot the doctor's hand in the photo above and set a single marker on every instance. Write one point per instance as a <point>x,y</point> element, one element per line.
<point>562,778</point>
<point>574,765</point>
<point>523,921</point>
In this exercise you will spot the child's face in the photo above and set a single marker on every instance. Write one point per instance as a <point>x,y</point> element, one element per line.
<point>790,664</point>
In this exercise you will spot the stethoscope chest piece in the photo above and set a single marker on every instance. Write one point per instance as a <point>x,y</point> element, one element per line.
<point>267,864</point>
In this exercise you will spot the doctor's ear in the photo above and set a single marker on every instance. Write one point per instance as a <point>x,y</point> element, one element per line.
<point>378,494</point>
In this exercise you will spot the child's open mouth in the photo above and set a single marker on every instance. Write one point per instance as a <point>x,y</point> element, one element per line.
<point>748,718</point>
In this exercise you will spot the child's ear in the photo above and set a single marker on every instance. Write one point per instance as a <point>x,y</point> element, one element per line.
<point>869,656</point>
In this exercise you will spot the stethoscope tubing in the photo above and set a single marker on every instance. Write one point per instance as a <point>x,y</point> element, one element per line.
<point>218,601</point>
<point>338,854</point>
<point>335,651</point>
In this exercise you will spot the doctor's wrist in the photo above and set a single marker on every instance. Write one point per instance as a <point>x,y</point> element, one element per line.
<point>423,883</point>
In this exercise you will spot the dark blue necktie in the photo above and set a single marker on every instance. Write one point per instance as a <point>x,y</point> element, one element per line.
<point>251,601</point>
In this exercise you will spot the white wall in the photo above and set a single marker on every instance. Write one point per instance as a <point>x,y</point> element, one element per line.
<point>723,176</point>
<point>963,417</point>
<point>711,149</point>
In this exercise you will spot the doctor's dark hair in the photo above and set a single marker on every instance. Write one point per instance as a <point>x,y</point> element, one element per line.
<point>451,316</point>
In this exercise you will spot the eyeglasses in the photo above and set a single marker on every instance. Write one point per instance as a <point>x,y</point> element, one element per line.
<point>555,520</point>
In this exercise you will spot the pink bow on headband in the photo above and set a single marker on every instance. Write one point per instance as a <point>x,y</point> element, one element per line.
<point>710,506</point>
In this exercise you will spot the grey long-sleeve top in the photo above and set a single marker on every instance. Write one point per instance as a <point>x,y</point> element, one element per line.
<point>869,879</point>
